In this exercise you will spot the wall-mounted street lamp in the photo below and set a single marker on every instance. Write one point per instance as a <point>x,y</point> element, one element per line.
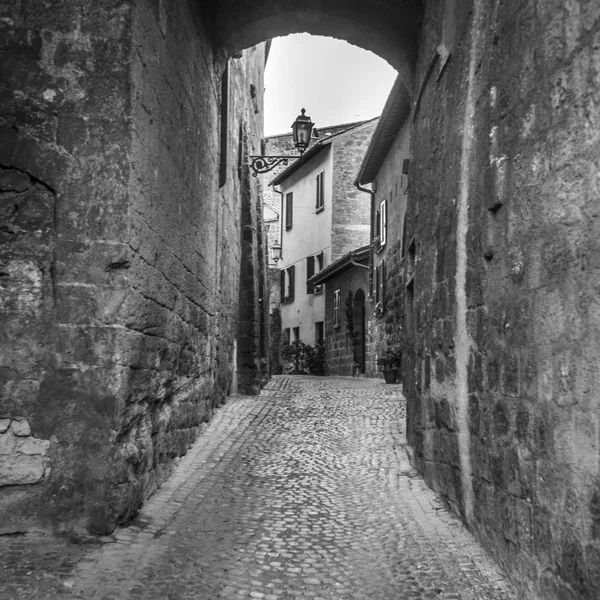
<point>276,252</point>
<point>302,131</point>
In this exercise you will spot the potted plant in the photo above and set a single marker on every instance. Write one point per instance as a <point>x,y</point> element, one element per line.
<point>389,362</point>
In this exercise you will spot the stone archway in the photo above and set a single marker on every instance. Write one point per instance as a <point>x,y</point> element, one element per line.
<point>131,216</point>
<point>388,29</point>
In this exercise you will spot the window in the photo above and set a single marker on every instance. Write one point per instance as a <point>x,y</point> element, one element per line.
<point>291,282</point>
<point>320,203</point>
<point>289,210</point>
<point>287,283</point>
<point>310,271</point>
<point>286,336</point>
<point>336,308</point>
<point>319,331</point>
<point>296,334</point>
<point>317,289</point>
<point>383,222</point>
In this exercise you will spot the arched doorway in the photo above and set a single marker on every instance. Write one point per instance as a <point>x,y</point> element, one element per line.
<point>359,345</point>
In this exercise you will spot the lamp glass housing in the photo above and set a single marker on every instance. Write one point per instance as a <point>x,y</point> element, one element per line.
<point>276,252</point>
<point>302,130</point>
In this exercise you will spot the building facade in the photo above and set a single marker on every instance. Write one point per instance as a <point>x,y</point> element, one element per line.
<point>385,171</point>
<point>323,216</point>
<point>347,312</point>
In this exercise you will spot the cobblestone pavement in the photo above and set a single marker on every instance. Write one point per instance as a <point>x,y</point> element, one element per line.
<point>303,492</point>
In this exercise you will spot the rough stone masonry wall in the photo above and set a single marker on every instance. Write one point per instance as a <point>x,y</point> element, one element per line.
<point>339,344</point>
<point>350,220</point>
<point>120,261</point>
<point>391,185</point>
<point>504,415</point>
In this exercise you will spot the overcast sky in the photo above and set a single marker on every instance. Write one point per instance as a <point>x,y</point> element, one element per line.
<point>334,81</point>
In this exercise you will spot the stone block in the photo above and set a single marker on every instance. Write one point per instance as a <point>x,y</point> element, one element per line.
<point>22,469</point>
<point>7,443</point>
<point>8,144</point>
<point>12,180</point>
<point>33,446</point>
<point>20,428</point>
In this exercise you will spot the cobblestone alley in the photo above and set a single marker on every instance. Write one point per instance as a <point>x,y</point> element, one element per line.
<point>302,492</point>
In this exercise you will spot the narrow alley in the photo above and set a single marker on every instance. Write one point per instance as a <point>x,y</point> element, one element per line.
<point>302,492</point>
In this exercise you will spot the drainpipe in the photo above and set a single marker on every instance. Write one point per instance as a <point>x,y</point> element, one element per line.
<point>372,195</point>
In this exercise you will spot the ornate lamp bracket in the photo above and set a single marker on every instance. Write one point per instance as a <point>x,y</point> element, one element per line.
<point>264,164</point>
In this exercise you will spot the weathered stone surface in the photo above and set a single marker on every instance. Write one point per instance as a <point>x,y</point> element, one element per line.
<point>21,469</point>
<point>20,428</point>
<point>503,223</point>
<point>120,253</point>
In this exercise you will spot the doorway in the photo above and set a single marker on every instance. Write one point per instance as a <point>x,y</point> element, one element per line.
<point>358,316</point>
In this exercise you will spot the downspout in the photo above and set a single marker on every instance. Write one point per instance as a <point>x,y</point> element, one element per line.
<point>370,267</point>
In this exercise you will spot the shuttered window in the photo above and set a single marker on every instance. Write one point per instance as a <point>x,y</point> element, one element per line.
<point>336,308</point>
<point>291,271</point>
<point>289,210</point>
<point>383,222</point>
<point>282,285</point>
<point>310,271</point>
<point>320,195</point>
<point>320,261</point>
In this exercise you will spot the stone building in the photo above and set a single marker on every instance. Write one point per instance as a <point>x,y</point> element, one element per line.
<point>347,312</point>
<point>323,217</point>
<point>128,270</point>
<point>131,256</point>
<point>385,170</point>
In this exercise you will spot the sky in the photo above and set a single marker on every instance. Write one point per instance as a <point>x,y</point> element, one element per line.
<point>334,81</point>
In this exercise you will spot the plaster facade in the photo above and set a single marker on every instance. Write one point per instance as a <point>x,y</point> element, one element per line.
<point>330,229</point>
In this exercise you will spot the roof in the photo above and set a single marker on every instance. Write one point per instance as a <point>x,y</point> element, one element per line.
<point>314,150</point>
<point>394,115</point>
<point>323,131</point>
<point>341,264</point>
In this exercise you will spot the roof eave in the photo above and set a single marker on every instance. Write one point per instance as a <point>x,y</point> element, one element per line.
<point>394,115</point>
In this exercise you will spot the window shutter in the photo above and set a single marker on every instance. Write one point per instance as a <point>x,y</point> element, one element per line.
<point>282,284</point>
<point>378,225</point>
<point>310,271</point>
<point>377,272</point>
<point>317,197</point>
<point>292,274</point>
<point>320,195</point>
<point>289,210</point>
<point>383,222</point>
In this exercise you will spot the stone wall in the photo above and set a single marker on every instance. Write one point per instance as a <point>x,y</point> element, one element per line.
<point>387,325</point>
<point>502,369</point>
<point>350,222</point>
<point>120,256</point>
<point>339,344</point>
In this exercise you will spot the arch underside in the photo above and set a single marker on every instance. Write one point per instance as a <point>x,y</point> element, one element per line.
<point>388,29</point>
